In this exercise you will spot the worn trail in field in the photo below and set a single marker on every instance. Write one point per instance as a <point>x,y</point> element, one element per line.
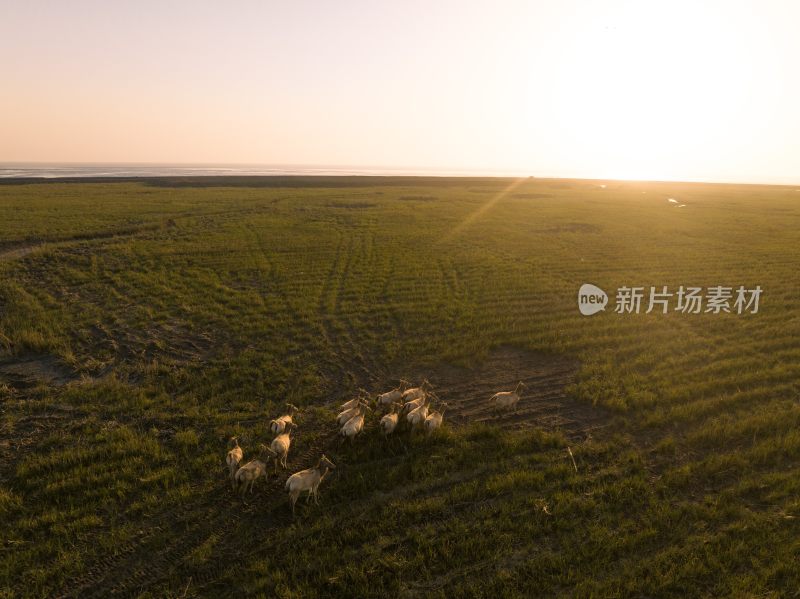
<point>22,249</point>
<point>168,549</point>
<point>543,403</point>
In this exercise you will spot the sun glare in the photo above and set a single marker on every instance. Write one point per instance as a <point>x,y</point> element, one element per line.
<point>650,93</point>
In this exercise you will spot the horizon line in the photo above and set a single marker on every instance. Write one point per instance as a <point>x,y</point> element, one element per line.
<point>372,171</point>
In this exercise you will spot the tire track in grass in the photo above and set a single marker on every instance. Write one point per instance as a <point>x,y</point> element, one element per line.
<point>167,554</point>
<point>350,361</point>
<point>345,508</point>
<point>138,565</point>
<point>21,249</point>
<point>299,324</point>
<point>324,308</point>
<point>270,270</point>
<point>397,330</point>
<point>350,346</point>
<point>269,511</point>
<point>149,560</point>
<point>176,561</point>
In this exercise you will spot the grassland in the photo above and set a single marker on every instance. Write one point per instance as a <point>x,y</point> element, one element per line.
<point>143,323</point>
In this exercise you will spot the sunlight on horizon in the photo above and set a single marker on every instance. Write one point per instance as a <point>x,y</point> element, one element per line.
<point>667,84</point>
<point>618,89</point>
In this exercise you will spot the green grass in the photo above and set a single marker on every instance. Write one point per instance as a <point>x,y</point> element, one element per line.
<point>188,314</point>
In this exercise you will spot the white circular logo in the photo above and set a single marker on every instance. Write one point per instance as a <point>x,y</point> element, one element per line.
<point>591,299</point>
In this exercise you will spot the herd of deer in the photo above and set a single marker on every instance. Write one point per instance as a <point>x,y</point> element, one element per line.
<point>403,407</point>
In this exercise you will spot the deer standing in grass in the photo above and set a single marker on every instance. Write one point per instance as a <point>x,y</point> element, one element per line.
<point>233,459</point>
<point>280,445</point>
<point>390,420</point>
<point>308,481</point>
<point>277,425</point>
<point>354,403</point>
<point>254,469</point>
<point>355,425</point>
<point>390,397</point>
<point>506,400</point>
<point>434,420</point>
<point>415,392</point>
<point>417,416</point>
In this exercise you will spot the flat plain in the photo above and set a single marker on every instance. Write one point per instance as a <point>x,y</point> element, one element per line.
<point>143,323</point>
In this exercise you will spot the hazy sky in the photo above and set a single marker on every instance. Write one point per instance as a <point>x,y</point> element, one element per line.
<point>687,89</point>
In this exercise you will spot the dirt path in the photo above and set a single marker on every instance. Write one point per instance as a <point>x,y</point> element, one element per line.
<point>22,249</point>
<point>544,402</point>
<point>19,252</point>
<point>24,372</point>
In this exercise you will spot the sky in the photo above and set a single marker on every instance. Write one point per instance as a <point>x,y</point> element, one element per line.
<point>644,89</point>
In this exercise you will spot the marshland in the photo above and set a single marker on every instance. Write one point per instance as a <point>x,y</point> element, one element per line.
<point>143,324</point>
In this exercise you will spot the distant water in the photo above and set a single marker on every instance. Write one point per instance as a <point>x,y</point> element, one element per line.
<point>157,170</point>
<point>53,170</point>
